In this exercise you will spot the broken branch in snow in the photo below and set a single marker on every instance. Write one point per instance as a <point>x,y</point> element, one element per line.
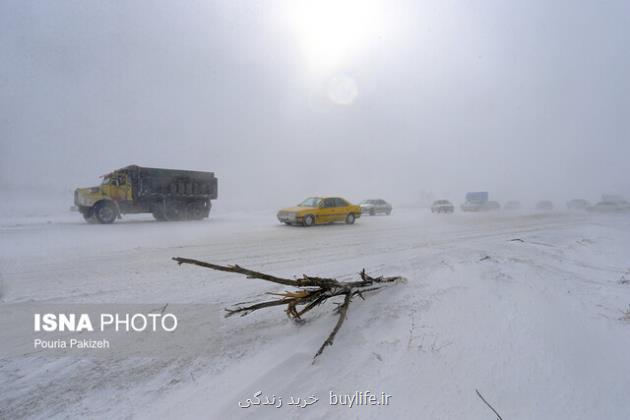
<point>312,292</point>
<point>343,311</point>
<point>488,404</point>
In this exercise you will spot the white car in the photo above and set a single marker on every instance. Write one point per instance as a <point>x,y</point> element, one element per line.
<point>481,206</point>
<point>375,206</point>
<point>442,206</point>
<point>578,204</point>
<point>544,205</point>
<point>512,205</point>
<point>610,207</point>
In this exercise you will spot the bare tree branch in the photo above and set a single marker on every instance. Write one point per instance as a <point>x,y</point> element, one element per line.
<point>244,310</point>
<point>236,269</point>
<point>488,404</point>
<point>343,311</point>
<point>312,292</point>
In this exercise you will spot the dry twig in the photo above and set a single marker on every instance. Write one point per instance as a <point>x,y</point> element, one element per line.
<point>312,292</point>
<point>488,404</point>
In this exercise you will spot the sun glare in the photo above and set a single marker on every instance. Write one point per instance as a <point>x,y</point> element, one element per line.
<point>330,33</point>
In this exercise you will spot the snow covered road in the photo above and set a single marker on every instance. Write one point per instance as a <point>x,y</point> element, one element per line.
<point>535,324</point>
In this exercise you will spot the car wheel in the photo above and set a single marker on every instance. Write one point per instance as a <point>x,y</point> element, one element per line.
<point>388,212</point>
<point>350,219</point>
<point>372,212</point>
<point>105,212</point>
<point>309,220</point>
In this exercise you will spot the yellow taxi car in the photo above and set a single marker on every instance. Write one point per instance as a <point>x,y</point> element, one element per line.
<point>320,210</point>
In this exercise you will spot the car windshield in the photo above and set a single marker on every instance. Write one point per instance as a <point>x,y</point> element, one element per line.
<point>310,202</point>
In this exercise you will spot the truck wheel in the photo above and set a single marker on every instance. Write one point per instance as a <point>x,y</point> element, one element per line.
<point>105,212</point>
<point>195,211</point>
<point>175,211</point>
<point>88,214</point>
<point>158,214</point>
<point>350,219</point>
<point>308,220</point>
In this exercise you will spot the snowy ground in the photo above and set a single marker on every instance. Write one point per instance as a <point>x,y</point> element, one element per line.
<point>537,326</point>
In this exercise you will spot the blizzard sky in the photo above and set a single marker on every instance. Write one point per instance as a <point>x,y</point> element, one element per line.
<point>285,99</point>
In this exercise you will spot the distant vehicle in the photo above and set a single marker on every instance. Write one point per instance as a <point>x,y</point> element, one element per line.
<point>610,207</point>
<point>320,210</point>
<point>544,205</point>
<point>513,205</point>
<point>613,198</point>
<point>578,204</point>
<point>375,206</point>
<point>442,206</point>
<point>492,205</point>
<point>170,194</point>
<point>477,197</point>
<point>478,201</point>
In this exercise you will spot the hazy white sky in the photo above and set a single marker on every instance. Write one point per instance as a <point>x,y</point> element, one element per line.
<point>285,99</point>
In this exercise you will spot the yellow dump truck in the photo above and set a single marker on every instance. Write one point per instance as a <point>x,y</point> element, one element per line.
<point>169,194</point>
